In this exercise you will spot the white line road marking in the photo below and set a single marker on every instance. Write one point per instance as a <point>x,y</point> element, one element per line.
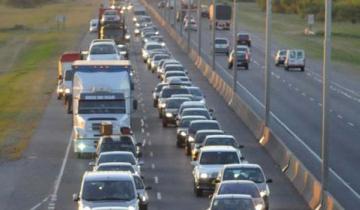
<point>142,122</point>
<point>40,203</point>
<point>156,180</point>
<point>296,89</point>
<point>319,104</point>
<point>147,134</point>
<point>290,85</point>
<point>158,195</point>
<point>146,125</point>
<point>339,116</point>
<point>311,99</point>
<point>303,94</point>
<point>142,130</point>
<point>331,110</point>
<point>153,165</point>
<point>144,142</point>
<point>151,154</point>
<point>283,81</point>
<point>149,143</point>
<point>351,124</point>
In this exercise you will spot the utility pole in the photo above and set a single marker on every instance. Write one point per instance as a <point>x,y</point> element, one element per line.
<point>234,48</point>
<point>188,26</point>
<point>213,34</point>
<point>325,102</point>
<point>175,9</point>
<point>199,26</point>
<point>267,61</point>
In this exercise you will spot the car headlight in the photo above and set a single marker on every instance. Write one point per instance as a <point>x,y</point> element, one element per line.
<point>131,208</point>
<point>168,114</point>
<point>191,139</point>
<point>204,176</point>
<point>67,90</point>
<point>86,208</point>
<point>127,36</point>
<point>162,105</point>
<point>263,193</point>
<point>163,44</point>
<point>81,146</point>
<point>182,133</point>
<point>143,198</point>
<point>136,31</point>
<point>259,207</point>
<point>202,101</point>
<point>157,33</point>
<point>134,19</point>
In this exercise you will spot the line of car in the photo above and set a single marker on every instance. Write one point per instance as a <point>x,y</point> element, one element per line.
<point>219,166</point>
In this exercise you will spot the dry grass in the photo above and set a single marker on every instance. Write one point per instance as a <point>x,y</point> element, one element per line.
<point>26,87</point>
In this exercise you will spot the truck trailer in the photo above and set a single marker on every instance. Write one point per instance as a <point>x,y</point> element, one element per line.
<point>222,16</point>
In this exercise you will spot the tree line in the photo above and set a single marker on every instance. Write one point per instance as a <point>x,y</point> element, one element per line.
<point>25,3</point>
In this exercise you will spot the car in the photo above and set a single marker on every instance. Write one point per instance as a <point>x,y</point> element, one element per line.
<point>202,111</point>
<point>204,11</point>
<point>280,57</point>
<point>242,60</point>
<point>110,15</point>
<point>199,138</point>
<point>190,25</point>
<point>295,58</point>
<point>243,39</point>
<point>141,190</point>
<point>159,39</point>
<point>181,78</point>
<point>163,64</point>
<point>247,171</point>
<point>211,160</point>
<point>161,4</point>
<point>156,92</point>
<point>232,201</point>
<point>221,139</point>
<point>245,49</point>
<point>241,187</point>
<point>174,81</point>
<point>115,166</point>
<point>118,143</point>
<point>171,109</point>
<point>93,25</point>
<point>149,46</point>
<point>193,104</point>
<point>197,94</point>
<point>196,126</point>
<point>183,125</point>
<point>123,50</point>
<point>166,93</point>
<point>163,52</point>
<point>102,41</point>
<point>103,51</point>
<point>117,156</point>
<point>110,189</point>
<point>170,67</point>
<point>173,74</point>
<point>222,45</point>
<point>156,60</point>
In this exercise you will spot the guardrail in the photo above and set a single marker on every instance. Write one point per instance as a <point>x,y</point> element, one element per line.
<point>303,180</point>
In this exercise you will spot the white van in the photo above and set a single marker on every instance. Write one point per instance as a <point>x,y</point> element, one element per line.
<point>295,58</point>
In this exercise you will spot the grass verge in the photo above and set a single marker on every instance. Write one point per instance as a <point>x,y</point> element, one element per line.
<point>26,87</point>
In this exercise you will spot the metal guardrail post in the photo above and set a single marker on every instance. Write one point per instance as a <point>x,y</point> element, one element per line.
<point>199,26</point>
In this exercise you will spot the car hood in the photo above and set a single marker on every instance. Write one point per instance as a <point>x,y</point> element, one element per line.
<point>210,169</point>
<point>103,57</point>
<point>174,111</point>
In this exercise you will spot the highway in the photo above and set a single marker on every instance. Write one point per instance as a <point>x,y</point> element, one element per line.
<point>49,172</point>
<point>296,103</point>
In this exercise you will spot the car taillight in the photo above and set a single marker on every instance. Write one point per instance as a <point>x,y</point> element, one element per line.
<point>247,56</point>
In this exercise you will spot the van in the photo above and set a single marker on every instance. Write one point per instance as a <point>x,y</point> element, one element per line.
<point>295,58</point>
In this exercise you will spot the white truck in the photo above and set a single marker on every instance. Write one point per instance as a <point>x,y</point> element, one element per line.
<point>102,93</point>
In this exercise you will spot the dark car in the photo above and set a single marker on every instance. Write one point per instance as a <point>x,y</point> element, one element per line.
<point>156,92</point>
<point>242,60</point>
<point>199,138</point>
<point>243,39</point>
<point>171,109</point>
<point>118,143</point>
<point>196,126</point>
<point>183,126</point>
<point>166,93</point>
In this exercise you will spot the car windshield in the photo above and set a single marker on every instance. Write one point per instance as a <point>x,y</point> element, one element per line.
<point>173,68</point>
<point>202,126</point>
<point>107,190</point>
<point>243,37</point>
<point>174,74</point>
<point>200,137</point>
<point>102,49</point>
<point>300,54</point>
<point>282,52</point>
<point>117,146</point>
<point>139,183</point>
<point>232,204</point>
<point>110,158</point>
<point>175,103</point>
<point>69,75</point>
<point>160,87</point>
<point>213,158</point>
<point>239,188</point>
<point>220,141</point>
<point>186,122</point>
<point>101,106</point>
<point>159,57</point>
<point>195,91</point>
<point>252,174</point>
<point>153,47</point>
<point>220,41</point>
<point>196,112</point>
<point>240,55</point>
<point>116,168</point>
<point>167,92</point>
<point>139,12</point>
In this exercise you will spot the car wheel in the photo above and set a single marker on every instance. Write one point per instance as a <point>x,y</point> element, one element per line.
<point>178,143</point>
<point>160,115</point>
<point>187,150</point>
<point>154,103</point>
<point>286,68</point>
<point>247,66</point>
<point>277,64</point>
<point>198,192</point>
<point>302,68</point>
<point>164,124</point>
<point>143,206</point>
<point>58,97</point>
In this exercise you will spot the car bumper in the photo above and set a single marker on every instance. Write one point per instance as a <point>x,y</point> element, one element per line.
<point>169,120</point>
<point>205,184</point>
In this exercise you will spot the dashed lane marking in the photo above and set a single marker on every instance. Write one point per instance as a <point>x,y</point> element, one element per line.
<point>156,180</point>
<point>340,116</point>
<point>151,154</point>
<point>147,134</point>
<point>350,124</point>
<point>158,196</point>
<point>152,165</point>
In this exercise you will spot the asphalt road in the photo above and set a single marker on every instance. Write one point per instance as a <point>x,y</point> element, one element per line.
<point>296,103</point>
<point>49,173</point>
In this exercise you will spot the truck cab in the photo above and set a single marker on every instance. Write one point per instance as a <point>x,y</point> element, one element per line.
<point>102,92</point>
<point>65,73</point>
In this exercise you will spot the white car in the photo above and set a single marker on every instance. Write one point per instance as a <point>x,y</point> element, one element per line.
<point>295,58</point>
<point>222,45</point>
<point>93,25</point>
<point>107,190</point>
<point>103,51</point>
<point>149,46</point>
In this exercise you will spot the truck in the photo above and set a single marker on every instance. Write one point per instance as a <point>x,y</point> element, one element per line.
<point>111,25</point>
<point>64,84</point>
<point>102,93</point>
<point>222,16</point>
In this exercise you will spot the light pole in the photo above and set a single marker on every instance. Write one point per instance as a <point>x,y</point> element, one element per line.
<point>267,61</point>
<point>234,47</point>
<point>188,26</point>
<point>213,33</point>
<point>325,102</point>
<point>199,26</point>
<point>175,10</point>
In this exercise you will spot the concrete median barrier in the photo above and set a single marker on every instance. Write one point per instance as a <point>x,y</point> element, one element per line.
<point>306,184</point>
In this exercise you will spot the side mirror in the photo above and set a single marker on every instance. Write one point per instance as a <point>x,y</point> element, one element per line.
<point>75,197</point>
<point>242,158</point>
<point>139,154</point>
<point>269,181</point>
<point>211,110</point>
<point>135,104</point>
<point>148,188</point>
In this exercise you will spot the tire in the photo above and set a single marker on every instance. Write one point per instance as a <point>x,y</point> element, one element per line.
<point>164,123</point>
<point>302,68</point>
<point>286,68</point>
<point>160,115</point>
<point>69,107</point>
<point>187,150</point>
<point>277,64</point>
<point>58,97</point>
<point>247,66</point>
<point>198,192</point>
<point>154,103</point>
<point>178,145</point>
<point>143,206</point>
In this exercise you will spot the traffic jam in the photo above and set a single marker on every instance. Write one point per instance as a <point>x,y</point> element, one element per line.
<point>97,88</point>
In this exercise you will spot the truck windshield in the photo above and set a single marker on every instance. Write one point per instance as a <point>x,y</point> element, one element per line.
<point>108,190</point>
<point>69,74</point>
<point>102,106</point>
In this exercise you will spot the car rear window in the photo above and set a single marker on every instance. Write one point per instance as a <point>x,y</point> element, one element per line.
<point>219,158</point>
<point>220,41</point>
<point>243,37</point>
<point>221,141</point>
<point>234,188</point>
<point>166,93</point>
<point>244,173</point>
<point>109,158</point>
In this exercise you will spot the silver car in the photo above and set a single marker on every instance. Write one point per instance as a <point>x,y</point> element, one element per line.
<point>211,160</point>
<point>222,45</point>
<point>141,190</point>
<point>107,189</point>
